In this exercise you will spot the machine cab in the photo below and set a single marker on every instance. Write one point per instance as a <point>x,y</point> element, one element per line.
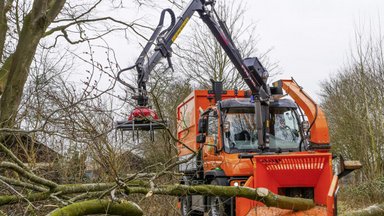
<point>238,126</point>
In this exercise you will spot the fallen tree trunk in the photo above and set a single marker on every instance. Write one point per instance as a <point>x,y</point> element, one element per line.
<point>49,189</point>
<point>97,206</point>
<point>374,210</point>
<point>259,194</point>
<point>63,190</point>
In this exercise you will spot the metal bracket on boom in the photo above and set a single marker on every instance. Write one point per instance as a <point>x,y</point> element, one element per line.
<point>217,90</point>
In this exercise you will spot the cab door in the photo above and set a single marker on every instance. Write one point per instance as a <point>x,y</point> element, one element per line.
<point>211,156</point>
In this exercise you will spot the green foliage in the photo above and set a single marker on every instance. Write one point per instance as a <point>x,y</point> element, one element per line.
<point>363,194</point>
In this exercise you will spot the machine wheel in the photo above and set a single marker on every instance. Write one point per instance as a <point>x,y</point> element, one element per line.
<point>186,204</point>
<point>217,205</point>
<point>185,208</point>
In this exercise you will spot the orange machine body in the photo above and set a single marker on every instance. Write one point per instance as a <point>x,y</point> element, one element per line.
<point>277,172</point>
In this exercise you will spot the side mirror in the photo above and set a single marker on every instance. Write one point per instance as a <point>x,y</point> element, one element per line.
<point>203,125</point>
<point>200,138</point>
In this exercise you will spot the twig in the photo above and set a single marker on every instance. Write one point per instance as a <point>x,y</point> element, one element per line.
<point>54,196</point>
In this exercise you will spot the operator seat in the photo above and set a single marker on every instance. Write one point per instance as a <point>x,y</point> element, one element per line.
<point>243,136</point>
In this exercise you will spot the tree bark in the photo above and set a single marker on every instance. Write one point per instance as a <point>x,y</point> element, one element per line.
<point>5,6</point>
<point>4,71</point>
<point>99,207</point>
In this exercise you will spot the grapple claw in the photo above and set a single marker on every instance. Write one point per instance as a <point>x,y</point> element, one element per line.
<point>142,119</point>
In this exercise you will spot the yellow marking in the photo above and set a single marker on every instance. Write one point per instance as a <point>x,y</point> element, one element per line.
<point>180,29</point>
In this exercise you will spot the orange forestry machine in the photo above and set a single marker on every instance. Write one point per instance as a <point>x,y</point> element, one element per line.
<point>253,138</point>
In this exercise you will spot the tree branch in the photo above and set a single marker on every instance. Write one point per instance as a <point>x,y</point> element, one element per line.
<point>22,184</point>
<point>30,176</point>
<point>76,22</point>
<point>13,157</point>
<point>81,15</point>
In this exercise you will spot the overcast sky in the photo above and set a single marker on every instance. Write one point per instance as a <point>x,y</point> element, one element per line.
<point>310,40</point>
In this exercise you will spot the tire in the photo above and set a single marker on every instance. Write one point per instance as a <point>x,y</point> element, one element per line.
<point>186,203</point>
<point>217,206</point>
<point>185,208</point>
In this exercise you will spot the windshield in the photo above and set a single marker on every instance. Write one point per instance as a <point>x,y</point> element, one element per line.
<point>240,132</point>
<point>284,129</point>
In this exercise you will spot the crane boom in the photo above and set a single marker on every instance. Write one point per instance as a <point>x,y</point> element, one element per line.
<point>166,38</point>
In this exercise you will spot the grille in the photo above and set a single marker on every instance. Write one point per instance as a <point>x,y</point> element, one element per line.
<point>293,163</point>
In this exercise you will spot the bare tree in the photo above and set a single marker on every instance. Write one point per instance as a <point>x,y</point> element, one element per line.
<point>353,101</point>
<point>40,104</point>
<point>26,24</point>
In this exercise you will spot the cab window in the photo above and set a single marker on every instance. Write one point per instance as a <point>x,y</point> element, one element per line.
<point>284,129</point>
<point>212,135</point>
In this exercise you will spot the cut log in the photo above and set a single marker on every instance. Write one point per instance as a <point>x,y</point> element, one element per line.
<point>352,165</point>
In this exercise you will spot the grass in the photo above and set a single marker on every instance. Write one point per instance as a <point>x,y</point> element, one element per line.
<point>360,195</point>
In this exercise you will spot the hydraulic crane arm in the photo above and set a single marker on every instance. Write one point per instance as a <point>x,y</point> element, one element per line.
<point>251,70</point>
<point>166,38</point>
<point>319,138</point>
